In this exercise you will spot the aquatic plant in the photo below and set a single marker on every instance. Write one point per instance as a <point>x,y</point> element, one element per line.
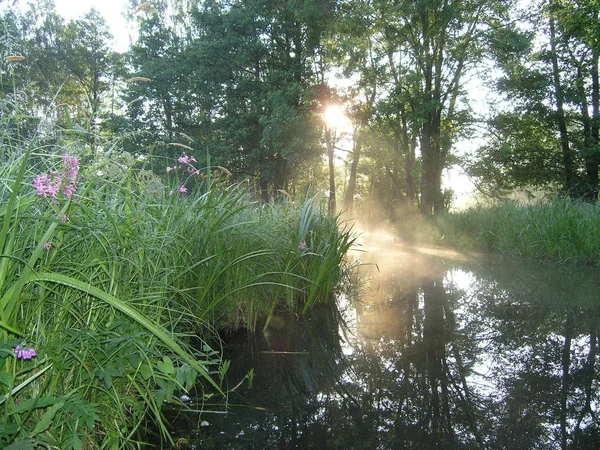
<point>561,229</point>
<point>101,355</point>
<point>110,292</point>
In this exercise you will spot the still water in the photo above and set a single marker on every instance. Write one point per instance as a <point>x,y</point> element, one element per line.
<point>441,351</point>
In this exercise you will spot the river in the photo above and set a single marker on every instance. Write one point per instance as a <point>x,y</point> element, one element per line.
<point>438,351</point>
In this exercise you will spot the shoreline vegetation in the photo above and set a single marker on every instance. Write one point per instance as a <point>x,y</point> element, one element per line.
<point>116,281</point>
<point>560,230</point>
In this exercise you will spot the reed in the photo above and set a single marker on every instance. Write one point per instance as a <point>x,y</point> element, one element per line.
<point>561,229</point>
<point>112,287</point>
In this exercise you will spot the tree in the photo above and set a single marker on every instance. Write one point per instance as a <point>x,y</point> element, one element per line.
<point>259,88</point>
<point>554,85</point>
<point>67,69</point>
<point>424,49</point>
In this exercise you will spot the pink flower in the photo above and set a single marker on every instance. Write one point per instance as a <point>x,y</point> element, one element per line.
<point>65,180</point>
<point>71,171</point>
<point>47,245</point>
<point>69,190</point>
<point>302,246</point>
<point>169,169</point>
<point>46,186</point>
<point>24,352</point>
<point>64,218</point>
<point>182,188</point>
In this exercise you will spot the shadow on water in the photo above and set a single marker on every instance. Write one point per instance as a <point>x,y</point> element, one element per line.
<point>441,351</point>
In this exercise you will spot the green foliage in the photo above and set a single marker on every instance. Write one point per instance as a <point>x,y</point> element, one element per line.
<point>553,90</point>
<point>243,86</point>
<point>562,230</point>
<point>118,289</point>
<point>520,154</point>
<point>67,73</point>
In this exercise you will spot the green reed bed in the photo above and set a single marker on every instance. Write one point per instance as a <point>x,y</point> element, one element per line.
<point>561,230</point>
<point>112,289</point>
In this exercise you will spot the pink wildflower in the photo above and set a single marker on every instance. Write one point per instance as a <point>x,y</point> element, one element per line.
<point>47,245</point>
<point>65,180</point>
<point>46,186</point>
<point>302,246</point>
<point>64,218</point>
<point>170,168</point>
<point>182,188</point>
<point>71,167</point>
<point>24,352</point>
<point>69,190</point>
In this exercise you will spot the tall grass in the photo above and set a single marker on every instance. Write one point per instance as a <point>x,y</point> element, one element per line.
<point>561,230</point>
<point>119,289</point>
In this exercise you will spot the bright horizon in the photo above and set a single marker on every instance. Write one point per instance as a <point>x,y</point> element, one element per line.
<point>111,10</point>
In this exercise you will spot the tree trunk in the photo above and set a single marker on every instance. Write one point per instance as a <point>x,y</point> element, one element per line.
<point>280,174</point>
<point>168,108</point>
<point>592,159</point>
<point>351,189</point>
<point>409,158</point>
<point>431,183</point>
<point>330,142</point>
<point>567,153</point>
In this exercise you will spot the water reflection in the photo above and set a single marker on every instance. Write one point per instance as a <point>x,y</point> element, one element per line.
<point>442,352</point>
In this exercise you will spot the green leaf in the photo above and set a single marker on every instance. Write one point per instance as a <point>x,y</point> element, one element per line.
<point>6,379</point>
<point>146,371</point>
<point>9,429</point>
<point>47,419</point>
<point>76,443</point>
<point>131,312</point>
<point>107,373</point>
<point>35,403</point>
<point>24,444</point>
<point>166,365</point>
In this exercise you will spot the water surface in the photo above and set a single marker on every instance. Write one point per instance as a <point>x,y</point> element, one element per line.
<point>441,351</point>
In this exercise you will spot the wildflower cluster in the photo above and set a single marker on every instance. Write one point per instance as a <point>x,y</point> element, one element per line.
<point>24,352</point>
<point>185,164</point>
<point>65,181</point>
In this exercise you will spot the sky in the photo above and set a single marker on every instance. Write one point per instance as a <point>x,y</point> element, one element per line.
<point>112,10</point>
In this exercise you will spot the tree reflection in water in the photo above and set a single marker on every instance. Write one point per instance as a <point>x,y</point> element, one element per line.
<point>441,352</point>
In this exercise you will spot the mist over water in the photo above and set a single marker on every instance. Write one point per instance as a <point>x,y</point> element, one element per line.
<point>439,350</point>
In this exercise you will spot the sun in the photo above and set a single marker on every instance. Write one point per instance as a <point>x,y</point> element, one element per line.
<point>335,118</point>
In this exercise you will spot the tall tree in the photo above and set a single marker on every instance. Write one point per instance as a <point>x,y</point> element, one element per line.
<point>255,62</point>
<point>555,85</point>
<point>428,47</point>
<point>67,69</point>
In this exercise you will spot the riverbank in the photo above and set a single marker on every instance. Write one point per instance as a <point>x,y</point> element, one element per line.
<point>115,281</point>
<point>560,230</point>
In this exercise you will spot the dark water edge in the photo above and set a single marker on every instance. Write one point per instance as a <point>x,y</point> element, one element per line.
<point>441,351</point>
